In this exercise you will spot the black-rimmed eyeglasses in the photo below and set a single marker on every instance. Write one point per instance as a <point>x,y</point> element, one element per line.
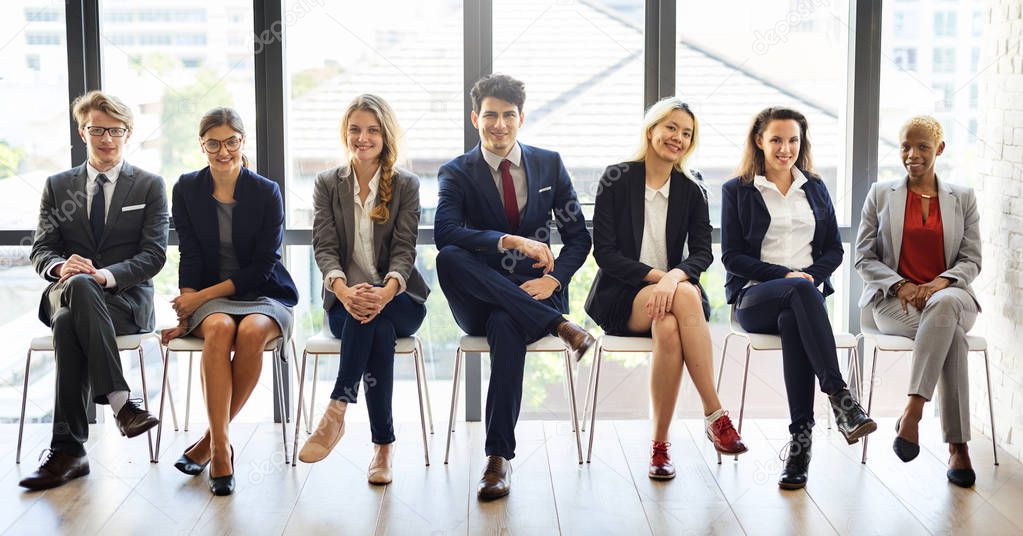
<point>213,146</point>
<point>115,132</point>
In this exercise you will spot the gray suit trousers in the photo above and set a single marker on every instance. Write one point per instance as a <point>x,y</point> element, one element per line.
<point>85,321</point>
<point>939,352</point>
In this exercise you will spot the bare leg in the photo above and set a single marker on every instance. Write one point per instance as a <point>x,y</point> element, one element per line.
<point>666,366</point>
<point>697,349</point>
<point>218,331</point>
<point>959,456</point>
<point>909,427</point>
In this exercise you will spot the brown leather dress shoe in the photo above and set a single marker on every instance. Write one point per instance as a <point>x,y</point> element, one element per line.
<point>496,481</point>
<point>579,340</point>
<point>56,470</point>
<point>133,421</point>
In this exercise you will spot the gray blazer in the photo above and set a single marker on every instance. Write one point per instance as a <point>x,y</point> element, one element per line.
<point>134,242</point>
<point>879,241</point>
<point>393,241</point>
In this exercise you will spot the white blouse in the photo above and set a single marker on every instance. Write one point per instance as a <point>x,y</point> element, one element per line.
<point>653,251</point>
<point>788,238</point>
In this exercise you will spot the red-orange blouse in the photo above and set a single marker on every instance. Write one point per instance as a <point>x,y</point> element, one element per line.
<point>923,249</point>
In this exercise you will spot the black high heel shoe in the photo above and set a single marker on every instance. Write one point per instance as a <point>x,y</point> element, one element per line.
<point>905,450</point>
<point>189,467</point>
<point>223,485</point>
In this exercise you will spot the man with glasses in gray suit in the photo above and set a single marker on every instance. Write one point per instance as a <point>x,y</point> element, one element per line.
<point>102,237</point>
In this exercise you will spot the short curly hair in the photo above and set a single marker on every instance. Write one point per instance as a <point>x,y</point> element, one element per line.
<point>927,124</point>
<point>500,86</point>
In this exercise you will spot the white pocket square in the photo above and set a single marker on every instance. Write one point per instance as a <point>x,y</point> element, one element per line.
<point>133,207</point>
<point>544,189</point>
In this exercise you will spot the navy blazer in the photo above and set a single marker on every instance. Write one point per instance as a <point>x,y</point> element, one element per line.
<point>257,233</point>
<point>470,215</point>
<point>618,220</point>
<point>744,222</point>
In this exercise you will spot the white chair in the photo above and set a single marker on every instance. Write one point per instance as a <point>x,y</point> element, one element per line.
<point>324,344</point>
<point>125,343</point>
<point>195,344</point>
<point>471,344</point>
<point>894,343</point>
<point>614,344</point>
<point>764,343</point>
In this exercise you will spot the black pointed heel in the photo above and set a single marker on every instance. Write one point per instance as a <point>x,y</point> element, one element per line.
<point>223,485</point>
<point>907,451</point>
<point>187,465</point>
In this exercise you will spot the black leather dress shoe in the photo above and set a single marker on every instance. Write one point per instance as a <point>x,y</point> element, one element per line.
<point>56,470</point>
<point>850,418</point>
<point>189,467</point>
<point>964,478</point>
<point>223,485</point>
<point>797,464</point>
<point>904,449</point>
<point>133,421</point>
<point>496,481</point>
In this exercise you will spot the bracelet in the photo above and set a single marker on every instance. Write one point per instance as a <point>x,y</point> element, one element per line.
<point>898,286</point>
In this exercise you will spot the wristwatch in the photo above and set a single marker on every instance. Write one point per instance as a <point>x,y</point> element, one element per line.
<point>894,291</point>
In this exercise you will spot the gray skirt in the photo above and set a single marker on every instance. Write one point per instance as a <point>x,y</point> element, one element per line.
<point>239,308</point>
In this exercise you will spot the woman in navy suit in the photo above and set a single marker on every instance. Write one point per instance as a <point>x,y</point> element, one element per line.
<point>646,212</point>
<point>780,243</point>
<point>235,292</point>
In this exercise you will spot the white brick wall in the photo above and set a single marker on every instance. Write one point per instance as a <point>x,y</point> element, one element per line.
<point>1000,199</point>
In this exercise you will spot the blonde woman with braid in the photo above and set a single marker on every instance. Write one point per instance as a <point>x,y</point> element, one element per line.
<point>365,223</point>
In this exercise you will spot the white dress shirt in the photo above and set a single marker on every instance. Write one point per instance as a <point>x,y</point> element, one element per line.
<point>91,185</point>
<point>364,260</point>
<point>653,251</point>
<point>788,238</point>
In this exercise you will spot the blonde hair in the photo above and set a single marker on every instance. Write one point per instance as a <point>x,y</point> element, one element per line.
<point>753,160</point>
<point>223,115</point>
<point>388,154</point>
<point>108,104</point>
<point>926,123</point>
<point>658,112</point>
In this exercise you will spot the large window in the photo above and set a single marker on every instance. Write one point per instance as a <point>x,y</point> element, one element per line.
<point>408,52</point>
<point>34,135</point>
<point>737,58</point>
<point>171,62</point>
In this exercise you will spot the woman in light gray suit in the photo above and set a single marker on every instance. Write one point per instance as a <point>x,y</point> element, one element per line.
<point>365,224</point>
<point>917,251</point>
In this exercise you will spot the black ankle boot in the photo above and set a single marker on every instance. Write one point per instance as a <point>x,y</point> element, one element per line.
<point>797,464</point>
<point>850,418</point>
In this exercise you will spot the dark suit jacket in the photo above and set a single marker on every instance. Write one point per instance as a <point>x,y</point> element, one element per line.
<point>470,215</point>
<point>744,222</point>
<point>257,233</point>
<point>618,220</point>
<point>134,242</point>
<point>394,241</point>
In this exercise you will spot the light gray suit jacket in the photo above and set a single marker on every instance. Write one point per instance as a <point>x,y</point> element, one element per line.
<point>394,241</point>
<point>879,241</point>
<point>134,242</point>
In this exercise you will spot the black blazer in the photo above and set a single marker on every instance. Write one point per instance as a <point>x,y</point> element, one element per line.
<point>618,234</point>
<point>257,233</point>
<point>744,222</point>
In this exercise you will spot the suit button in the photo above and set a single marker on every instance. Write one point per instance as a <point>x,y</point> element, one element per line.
<point>99,257</point>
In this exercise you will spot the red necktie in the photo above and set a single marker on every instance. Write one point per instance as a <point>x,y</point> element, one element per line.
<point>511,203</point>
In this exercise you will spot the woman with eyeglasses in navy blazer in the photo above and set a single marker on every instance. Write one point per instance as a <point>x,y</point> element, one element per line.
<point>779,243</point>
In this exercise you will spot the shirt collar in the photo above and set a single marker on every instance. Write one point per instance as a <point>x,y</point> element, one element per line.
<point>494,161</point>
<point>111,173</point>
<point>650,193</point>
<point>798,180</point>
<point>373,183</point>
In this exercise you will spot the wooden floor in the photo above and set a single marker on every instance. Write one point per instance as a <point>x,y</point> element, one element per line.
<point>551,494</point>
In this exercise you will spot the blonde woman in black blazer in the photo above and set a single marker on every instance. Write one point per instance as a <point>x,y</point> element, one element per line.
<point>647,210</point>
<point>365,224</point>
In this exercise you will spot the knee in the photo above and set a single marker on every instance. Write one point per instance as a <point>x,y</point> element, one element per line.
<point>945,302</point>
<point>499,321</point>
<point>665,330</point>
<point>61,320</point>
<point>81,285</point>
<point>449,258</point>
<point>219,328</point>
<point>255,332</point>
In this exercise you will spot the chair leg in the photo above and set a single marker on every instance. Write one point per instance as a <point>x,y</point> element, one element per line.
<point>312,394</point>
<point>416,359</point>
<point>170,399</point>
<point>163,392</point>
<point>145,402</point>
<point>854,372</point>
<point>742,400</point>
<point>598,359</point>
<point>426,384</point>
<point>574,408</point>
<point>589,383</point>
<point>991,407</point>
<point>454,402</point>
<point>294,352</point>
<point>24,403</point>
<point>279,383</point>
<point>870,401</point>
<point>299,407</point>
<point>721,367</point>
<point>188,390</point>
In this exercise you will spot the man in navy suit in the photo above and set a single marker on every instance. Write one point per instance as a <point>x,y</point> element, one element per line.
<point>495,264</point>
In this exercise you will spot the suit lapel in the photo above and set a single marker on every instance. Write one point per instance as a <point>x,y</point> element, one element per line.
<point>380,229</point>
<point>637,201</point>
<point>897,216</point>
<point>532,186</point>
<point>947,205</point>
<point>677,201</point>
<point>480,173</point>
<point>122,187</point>
<point>78,184</point>
<point>345,191</point>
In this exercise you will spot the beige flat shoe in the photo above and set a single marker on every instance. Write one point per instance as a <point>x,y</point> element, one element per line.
<point>380,468</point>
<point>328,433</point>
